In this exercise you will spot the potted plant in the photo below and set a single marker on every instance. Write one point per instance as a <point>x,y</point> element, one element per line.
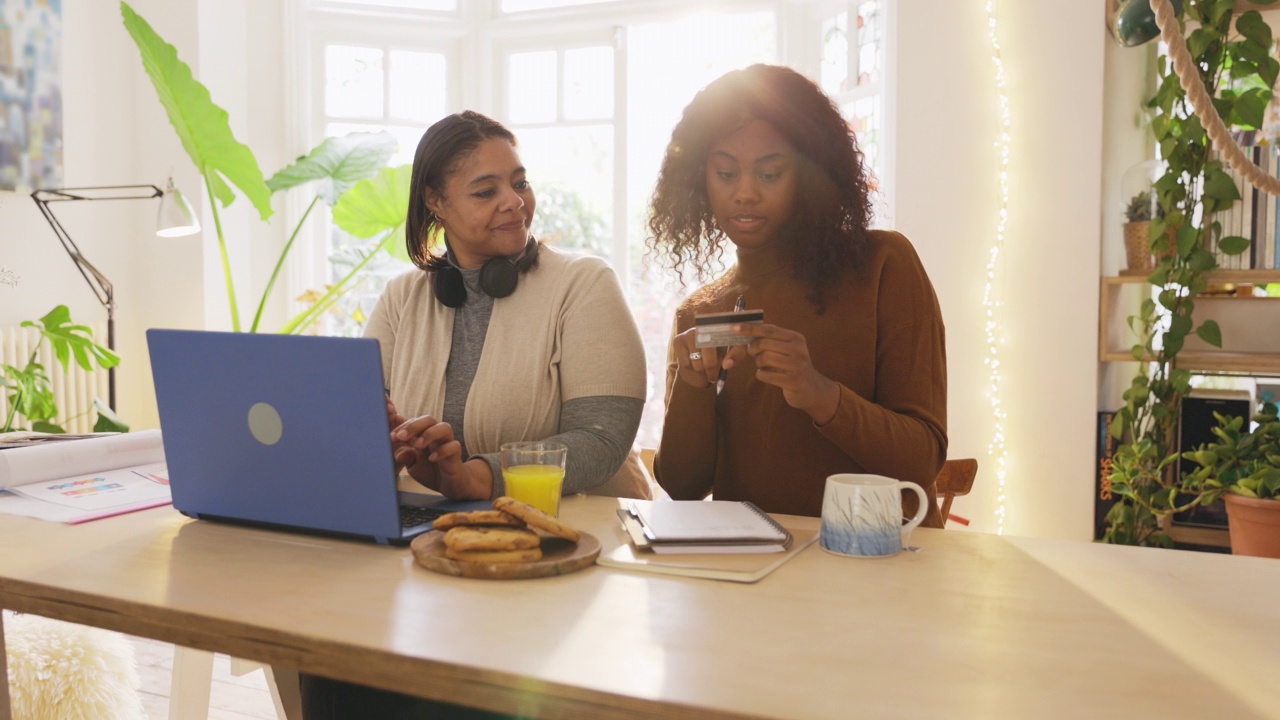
<point>368,199</point>
<point>1137,226</point>
<point>30,392</point>
<point>1232,56</point>
<point>1243,468</point>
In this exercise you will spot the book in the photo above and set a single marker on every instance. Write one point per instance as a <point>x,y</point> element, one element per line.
<point>734,567</point>
<point>81,480</point>
<point>1103,498</point>
<point>703,526</point>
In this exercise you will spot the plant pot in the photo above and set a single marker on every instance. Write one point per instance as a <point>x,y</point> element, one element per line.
<point>1254,525</point>
<point>1137,245</point>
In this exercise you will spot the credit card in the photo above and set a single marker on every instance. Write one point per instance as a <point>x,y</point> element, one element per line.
<point>714,329</point>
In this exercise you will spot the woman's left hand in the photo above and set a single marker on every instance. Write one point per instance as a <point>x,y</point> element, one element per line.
<point>782,360</point>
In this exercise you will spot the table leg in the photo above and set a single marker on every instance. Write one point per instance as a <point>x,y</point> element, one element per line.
<point>5,711</point>
<point>191,683</point>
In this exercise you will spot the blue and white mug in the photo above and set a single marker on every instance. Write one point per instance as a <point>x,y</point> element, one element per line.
<point>862,515</point>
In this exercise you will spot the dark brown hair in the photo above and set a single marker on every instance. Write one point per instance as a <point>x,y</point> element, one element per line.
<point>827,233</point>
<point>441,151</point>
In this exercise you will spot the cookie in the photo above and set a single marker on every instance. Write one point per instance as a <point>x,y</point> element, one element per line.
<point>536,518</point>
<point>490,538</point>
<point>476,517</point>
<point>494,556</point>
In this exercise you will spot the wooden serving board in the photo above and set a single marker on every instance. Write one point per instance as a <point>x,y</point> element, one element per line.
<point>559,557</point>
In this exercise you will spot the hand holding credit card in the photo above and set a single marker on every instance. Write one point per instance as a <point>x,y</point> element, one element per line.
<point>715,329</point>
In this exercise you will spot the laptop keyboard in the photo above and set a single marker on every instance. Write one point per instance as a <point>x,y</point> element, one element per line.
<point>412,516</point>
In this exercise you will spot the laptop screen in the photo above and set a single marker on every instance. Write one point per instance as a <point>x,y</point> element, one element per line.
<point>280,429</point>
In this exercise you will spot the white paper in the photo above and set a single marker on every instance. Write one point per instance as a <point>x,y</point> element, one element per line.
<point>97,491</point>
<point>54,461</point>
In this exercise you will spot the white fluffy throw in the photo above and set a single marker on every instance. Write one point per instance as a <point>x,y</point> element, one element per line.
<point>61,671</point>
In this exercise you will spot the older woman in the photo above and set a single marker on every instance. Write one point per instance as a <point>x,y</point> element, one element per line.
<point>494,338</point>
<point>498,338</point>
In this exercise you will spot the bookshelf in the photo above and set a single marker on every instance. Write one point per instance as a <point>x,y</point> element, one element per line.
<point>1251,346</point>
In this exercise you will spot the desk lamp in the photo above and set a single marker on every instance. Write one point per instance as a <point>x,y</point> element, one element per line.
<point>174,219</point>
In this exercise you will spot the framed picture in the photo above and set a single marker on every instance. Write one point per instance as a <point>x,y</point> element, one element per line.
<point>30,94</point>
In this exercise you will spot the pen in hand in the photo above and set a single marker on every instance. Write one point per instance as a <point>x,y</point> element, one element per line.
<point>724,372</point>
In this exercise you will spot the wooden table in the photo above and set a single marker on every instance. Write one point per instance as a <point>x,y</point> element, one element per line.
<point>972,626</point>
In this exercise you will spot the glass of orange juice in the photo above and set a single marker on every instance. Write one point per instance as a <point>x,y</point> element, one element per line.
<point>534,473</point>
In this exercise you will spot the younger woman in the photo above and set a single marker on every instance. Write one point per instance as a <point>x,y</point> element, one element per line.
<point>847,373</point>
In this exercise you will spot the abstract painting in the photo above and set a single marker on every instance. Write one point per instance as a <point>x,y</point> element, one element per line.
<point>30,94</point>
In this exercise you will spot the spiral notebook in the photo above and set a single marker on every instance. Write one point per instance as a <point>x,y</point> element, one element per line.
<point>703,526</point>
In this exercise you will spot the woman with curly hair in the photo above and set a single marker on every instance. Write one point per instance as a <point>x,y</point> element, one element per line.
<point>847,373</point>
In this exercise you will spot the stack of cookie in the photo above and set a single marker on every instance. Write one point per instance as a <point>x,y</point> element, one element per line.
<point>506,534</point>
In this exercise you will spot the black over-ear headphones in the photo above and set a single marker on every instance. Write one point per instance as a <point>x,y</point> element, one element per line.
<point>498,276</point>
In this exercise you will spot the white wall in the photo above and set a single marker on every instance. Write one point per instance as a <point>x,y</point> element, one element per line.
<point>947,203</point>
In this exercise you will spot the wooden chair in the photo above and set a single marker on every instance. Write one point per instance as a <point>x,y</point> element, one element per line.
<point>955,479</point>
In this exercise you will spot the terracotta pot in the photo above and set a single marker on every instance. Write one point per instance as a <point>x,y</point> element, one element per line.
<point>1254,525</point>
<point>1137,245</point>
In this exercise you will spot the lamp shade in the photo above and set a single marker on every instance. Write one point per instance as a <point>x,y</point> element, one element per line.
<point>175,217</point>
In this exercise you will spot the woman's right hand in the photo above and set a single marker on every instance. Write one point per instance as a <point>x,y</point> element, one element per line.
<point>699,367</point>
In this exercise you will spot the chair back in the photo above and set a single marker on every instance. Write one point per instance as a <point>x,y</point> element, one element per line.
<point>955,479</point>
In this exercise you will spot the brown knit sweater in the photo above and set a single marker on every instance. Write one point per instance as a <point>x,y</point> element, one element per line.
<point>881,337</point>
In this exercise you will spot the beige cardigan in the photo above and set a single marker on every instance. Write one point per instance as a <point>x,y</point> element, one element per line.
<point>565,333</point>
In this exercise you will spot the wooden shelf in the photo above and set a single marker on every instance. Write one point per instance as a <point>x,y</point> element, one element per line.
<point>1239,277</point>
<point>1250,346</point>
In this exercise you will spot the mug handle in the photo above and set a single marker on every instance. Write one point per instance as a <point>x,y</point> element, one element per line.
<point>923,508</point>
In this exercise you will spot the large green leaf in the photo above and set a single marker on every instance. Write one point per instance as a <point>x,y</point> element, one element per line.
<point>201,125</point>
<point>1219,185</point>
<point>77,340</point>
<point>377,205</point>
<point>1233,245</point>
<point>108,421</point>
<point>343,161</point>
<point>1210,333</point>
<point>1252,26</point>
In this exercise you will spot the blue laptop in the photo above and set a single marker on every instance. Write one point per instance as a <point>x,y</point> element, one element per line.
<point>285,431</point>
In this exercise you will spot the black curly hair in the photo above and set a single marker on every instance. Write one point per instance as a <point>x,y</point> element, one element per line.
<point>828,231</point>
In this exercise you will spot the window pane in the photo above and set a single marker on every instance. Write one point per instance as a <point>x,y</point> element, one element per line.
<point>864,115</point>
<point>418,89</point>
<point>571,169</point>
<point>437,5</point>
<point>588,83</point>
<point>668,64</point>
<point>353,81</point>
<point>532,87</point>
<point>509,6</point>
<point>869,16</point>
<point>835,54</point>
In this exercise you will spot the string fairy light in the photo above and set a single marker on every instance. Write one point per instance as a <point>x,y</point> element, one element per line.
<point>996,450</point>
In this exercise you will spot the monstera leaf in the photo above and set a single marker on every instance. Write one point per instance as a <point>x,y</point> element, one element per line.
<point>201,125</point>
<point>72,340</point>
<point>342,161</point>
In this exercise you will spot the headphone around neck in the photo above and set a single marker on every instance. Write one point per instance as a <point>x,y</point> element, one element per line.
<point>498,276</point>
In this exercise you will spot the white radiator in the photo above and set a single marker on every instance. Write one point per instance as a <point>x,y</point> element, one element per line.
<point>74,388</point>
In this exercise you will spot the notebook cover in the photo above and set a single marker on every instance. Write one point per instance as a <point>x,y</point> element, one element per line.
<point>703,522</point>
<point>743,568</point>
